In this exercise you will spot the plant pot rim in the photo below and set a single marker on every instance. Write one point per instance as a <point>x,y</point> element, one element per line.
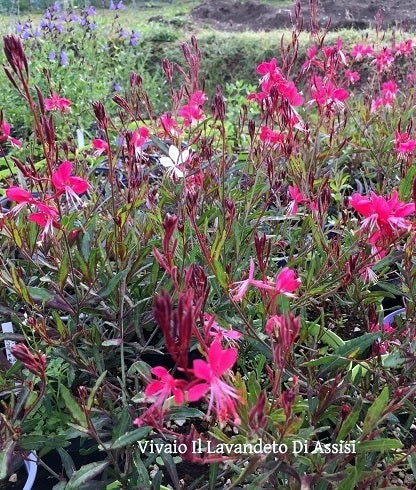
<point>31,469</point>
<point>389,319</point>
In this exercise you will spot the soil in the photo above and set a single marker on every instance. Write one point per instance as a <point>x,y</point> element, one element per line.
<point>233,15</point>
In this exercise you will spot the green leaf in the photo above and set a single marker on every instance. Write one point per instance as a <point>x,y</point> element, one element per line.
<point>94,390</point>
<point>213,475</point>
<point>378,445</point>
<point>405,187</point>
<point>73,407</point>
<point>393,360</point>
<point>412,462</point>
<point>63,271</point>
<point>67,462</point>
<point>350,350</point>
<point>376,411</point>
<point>85,473</point>
<point>350,421</point>
<point>60,486</point>
<point>171,467</point>
<point>325,335</point>
<point>36,442</point>
<point>39,294</point>
<point>113,283</point>
<point>220,273</point>
<point>142,474</point>
<point>129,438</point>
<point>350,481</point>
<point>178,413</point>
<point>5,458</point>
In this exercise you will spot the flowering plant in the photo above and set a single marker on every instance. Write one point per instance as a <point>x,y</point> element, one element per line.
<point>209,301</point>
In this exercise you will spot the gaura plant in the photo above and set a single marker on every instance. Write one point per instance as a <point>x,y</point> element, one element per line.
<point>170,293</point>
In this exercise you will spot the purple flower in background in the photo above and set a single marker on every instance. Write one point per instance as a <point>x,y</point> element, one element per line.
<point>60,28</point>
<point>120,141</point>
<point>112,6</point>
<point>117,87</point>
<point>37,33</point>
<point>63,59</point>
<point>134,39</point>
<point>43,23</point>
<point>48,14</point>
<point>123,33</point>
<point>82,22</point>
<point>18,27</point>
<point>91,11</point>
<point>56,7</point>
<point>62,17</point>
<point>120,5</point>
<point>52,56</point>
<point>25,35</point>
<point>92,26</point>
<point>73,17</point>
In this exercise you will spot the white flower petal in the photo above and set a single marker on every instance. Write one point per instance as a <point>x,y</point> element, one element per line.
<point>166,162</point>
<point>184,156</point>
<point>174,153</point>
<point>178,172</point>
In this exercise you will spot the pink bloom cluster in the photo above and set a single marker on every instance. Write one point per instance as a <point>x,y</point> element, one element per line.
<point>57,103</point>
<point>404,144</point>
<point>326,95</point>
<point>192,112</point>
<point>207,381</point>
<point>361,51</point>
<point>286,283</point>
<point>272,79</point>
<point>388,95</point>
<point>47,216</point>
<point>5,135</point>
<point>384,218</point>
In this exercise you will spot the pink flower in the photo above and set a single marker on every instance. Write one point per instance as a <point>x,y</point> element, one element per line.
<point>21,196</point>
<point>239,289</point>
<point>380,347</point>
<point>218,332</point>
<point>197,98</point>
<point>140,137</point>
<point>297,197</point>
<point>66,183</point>
<point>5,135</point>
<point>386,215</point>
<point>273,78</point>
<point>352,76</point>
<point>222,396</point>
<point>286,283</point>
<point>46,218</point>
<point>404,48</point>
<point>166,386</point>
<point>404,145</point>
<point>336,51</point>
<point>271,137</point>
<point>326,95</point>
<point>57,103</point>
<point>384,59</point>
<point>359,51</point>
<point>100,146</point>
<point>192,112</point>
<point>311,59</point>
<point>169,125</point>
<point>389,88</point>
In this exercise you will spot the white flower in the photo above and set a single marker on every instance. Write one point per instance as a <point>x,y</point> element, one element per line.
<point>175,160</point>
